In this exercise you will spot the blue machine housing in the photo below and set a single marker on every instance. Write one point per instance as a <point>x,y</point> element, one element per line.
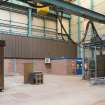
<point>79,67</point>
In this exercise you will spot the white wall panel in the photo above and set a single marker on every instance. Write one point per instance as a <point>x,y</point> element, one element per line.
<point>5,15</point>
<point>98,2</point>
<point>37,21</point>
<point>65,23</point>
<point>19,20</point>
<point>38,27</point>
<point>50,24</point>
<point>99,6</point>
<point>4,20</point>
<point>18,17</point>
<point>85,3</point>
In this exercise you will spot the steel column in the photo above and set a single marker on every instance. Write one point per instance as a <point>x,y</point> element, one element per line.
<point>92,8</point>
<point>83,62</point>
<point>79,33</point>
<point>95,59</point>
<point>29,22</point>
<point>69,20</point>
<point>14,66</point>
<point>10,20</point>
<point>92,4</point>
<point>44,26</point>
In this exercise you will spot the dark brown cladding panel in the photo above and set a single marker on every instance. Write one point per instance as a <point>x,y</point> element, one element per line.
<point>25,47</point>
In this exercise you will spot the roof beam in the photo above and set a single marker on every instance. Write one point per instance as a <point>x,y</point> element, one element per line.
<point>71,8</point>
<point>23,3</point>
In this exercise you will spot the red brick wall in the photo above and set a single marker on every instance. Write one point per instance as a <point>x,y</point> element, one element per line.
<point>8,67</point>
<point>61,67</point>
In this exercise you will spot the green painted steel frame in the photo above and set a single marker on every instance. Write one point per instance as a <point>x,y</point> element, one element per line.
<point>80,50</point>
<point>29,22</point>
<point>92,8</point>
<point>93,46</point>
<point>92,4</point>
<point>20,3</point>
<point>79,33</point>
<point>77,10</point>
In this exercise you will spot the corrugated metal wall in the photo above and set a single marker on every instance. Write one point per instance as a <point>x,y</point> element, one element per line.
<point>25,47</point>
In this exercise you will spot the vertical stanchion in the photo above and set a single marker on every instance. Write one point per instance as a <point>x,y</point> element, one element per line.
<point>83,62</point>
<point>29,22</point>
<point>95,61</point>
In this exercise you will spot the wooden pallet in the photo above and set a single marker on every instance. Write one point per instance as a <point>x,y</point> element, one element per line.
<point>36,78</point>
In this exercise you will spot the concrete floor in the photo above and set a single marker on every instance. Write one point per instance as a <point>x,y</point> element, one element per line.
<point>56,90</point>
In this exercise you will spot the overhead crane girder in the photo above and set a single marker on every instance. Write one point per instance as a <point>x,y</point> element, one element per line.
<point>74,9</point>
<point>71,8</point>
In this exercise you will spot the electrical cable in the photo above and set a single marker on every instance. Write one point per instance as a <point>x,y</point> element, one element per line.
<point>85,34</point>
<point>95,31</point>
<point>70,37</point>
<point>61,27</point>
<point>60,21</point>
